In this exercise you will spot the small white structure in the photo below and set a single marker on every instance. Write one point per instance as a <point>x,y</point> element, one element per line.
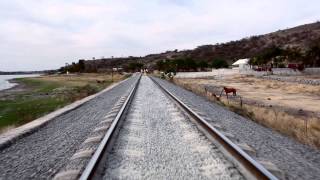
<point>241,64</point>
<point>117,69</point>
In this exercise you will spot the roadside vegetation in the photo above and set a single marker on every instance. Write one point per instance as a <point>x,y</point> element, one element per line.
<point>35,97</point>
<point>189,64</point>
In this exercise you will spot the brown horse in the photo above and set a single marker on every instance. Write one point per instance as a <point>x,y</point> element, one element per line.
<point>230,90</point>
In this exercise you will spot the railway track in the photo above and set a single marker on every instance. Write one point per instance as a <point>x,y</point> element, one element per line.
<point>154,135</point>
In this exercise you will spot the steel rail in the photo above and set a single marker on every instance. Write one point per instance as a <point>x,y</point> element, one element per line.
<point>91,167</point>
<point>253,167</point>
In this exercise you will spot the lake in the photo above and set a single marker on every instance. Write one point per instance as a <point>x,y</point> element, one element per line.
<point>5,84</point>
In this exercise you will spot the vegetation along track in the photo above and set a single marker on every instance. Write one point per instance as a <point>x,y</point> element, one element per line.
<point>164,139</point>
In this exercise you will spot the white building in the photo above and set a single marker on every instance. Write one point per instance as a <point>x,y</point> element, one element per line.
<point>241,64</point>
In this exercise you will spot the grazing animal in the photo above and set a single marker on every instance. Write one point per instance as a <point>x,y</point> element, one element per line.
<point>211,94</point>
<point>215,96</point>
<point>230,90</point>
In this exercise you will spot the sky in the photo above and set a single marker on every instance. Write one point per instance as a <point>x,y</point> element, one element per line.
<point>46,34</point>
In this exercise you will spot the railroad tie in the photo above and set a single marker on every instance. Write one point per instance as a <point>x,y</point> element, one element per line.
<point>229,135</point>
<point>199,113</point>
<point>217,126</point>
<point>272,168</point>
<point>103,128</point>
<point>114,111</point>
<point>83,154</point>
<point>247,149</point>
<point>93,139</point>
<point>68,175</point>
<point>107,120</point>
<point>110,115</point>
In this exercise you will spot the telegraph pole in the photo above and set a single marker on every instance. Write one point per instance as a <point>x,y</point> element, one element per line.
<point>112,74</point>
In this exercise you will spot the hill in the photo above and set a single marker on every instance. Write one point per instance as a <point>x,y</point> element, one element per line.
<point>301,37</point>
<point>296,42</point>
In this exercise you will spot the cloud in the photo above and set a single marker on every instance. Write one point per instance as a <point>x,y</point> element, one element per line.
<point>38,34</point>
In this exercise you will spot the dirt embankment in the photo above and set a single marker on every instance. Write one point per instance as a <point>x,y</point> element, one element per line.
<point>289,108</point>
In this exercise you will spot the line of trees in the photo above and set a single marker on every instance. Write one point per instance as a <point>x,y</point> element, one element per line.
<point>189,64</point>
<point>133,66</point>
<point>73,67</point>
<point>81,66</point>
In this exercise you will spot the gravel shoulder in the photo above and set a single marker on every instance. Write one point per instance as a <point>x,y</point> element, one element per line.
<point>158,142</point>
<point>41,154</point>
<point>296,160</point>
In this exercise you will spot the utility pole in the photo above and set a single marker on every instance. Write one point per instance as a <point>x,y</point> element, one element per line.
<point>112,74</point>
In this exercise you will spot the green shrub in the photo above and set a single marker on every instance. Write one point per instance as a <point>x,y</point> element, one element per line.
<point>219,63</point>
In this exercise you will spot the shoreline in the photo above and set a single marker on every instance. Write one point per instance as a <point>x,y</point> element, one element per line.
<point>18,87</point>
<point>32,98</point>
<point>10,81</point>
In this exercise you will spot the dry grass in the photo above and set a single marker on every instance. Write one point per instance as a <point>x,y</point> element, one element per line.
<point>271,92</point>
<point>80,79</point>
<point>303,127</point>
<point>282,86</point>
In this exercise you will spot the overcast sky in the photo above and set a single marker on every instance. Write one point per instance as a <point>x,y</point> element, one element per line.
<point>39,34</point>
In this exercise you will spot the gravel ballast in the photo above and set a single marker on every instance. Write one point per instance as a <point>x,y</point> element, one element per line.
<point>157,141</point>
<point>41,154</point>
<point>295,160</point>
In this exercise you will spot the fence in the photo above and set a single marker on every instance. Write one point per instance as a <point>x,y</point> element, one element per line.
<point>220,73</point>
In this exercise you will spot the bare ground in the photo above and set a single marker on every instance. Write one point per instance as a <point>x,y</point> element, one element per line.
<point>290,108</point>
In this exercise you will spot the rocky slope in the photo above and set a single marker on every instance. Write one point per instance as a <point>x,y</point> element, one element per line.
<point>300,37</point>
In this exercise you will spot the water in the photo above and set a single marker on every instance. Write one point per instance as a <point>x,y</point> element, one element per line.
<point>5,84</point>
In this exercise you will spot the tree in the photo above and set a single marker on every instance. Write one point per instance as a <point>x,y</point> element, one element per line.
<point>160,65</point>
<point>219,63</point>
<point>313,55</point>
<point>190,64</point>
<point>62,70</point>
<point>293,54</point>
<point>202,64</point>
<point>81,65</point>
<point>134,66</point>
<point>266,55</point>
<point>253,61</point>
<point>180,64</point>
